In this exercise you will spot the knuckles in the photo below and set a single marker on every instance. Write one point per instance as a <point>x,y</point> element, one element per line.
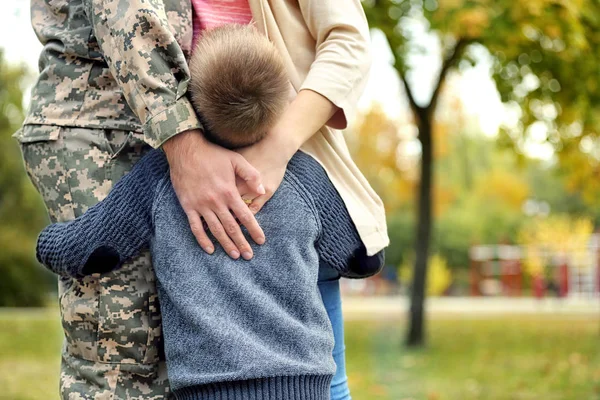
<point>215,228</point>
<point>244,218</point>
<point>231,228</point>
<point>229,194</point>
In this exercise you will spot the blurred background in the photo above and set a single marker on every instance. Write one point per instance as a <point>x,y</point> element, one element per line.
<point>480,129</point>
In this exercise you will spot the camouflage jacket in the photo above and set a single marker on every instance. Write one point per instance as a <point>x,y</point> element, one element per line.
<point>113,64</point>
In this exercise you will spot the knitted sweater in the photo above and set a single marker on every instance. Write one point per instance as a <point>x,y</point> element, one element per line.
<point>233,329</point>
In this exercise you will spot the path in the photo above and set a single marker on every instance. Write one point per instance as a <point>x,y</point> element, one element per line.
<point>396,307</point>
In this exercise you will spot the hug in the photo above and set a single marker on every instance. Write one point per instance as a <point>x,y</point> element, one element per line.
<point>204,213</point>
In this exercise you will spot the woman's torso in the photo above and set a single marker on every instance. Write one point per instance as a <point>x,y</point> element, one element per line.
<point>208,14</point>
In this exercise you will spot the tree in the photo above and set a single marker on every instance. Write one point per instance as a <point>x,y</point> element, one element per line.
<point>386,15</point>
<point>24,282</point>
<point>540,49</point>
<point>551,73</point>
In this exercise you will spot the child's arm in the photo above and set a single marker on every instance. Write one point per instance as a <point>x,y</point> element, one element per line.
<point>112,231</point>
<point>339,245</point>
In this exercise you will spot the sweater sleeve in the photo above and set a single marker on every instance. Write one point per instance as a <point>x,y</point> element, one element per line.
<point>112,231</point>
<point>339,244</point>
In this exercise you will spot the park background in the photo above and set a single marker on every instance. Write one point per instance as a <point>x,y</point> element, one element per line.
<point>479,128</point>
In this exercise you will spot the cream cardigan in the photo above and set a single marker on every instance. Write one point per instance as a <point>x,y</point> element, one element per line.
<point>325,46</point>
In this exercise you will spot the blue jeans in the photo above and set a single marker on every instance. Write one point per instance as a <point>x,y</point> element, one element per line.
<point>329,286</point>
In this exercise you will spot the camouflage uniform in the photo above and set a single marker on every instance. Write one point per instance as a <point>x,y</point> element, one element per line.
<point>113,82</point>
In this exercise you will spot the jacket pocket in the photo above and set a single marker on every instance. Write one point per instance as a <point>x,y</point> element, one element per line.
<point>43,149</point>
<point>46,166</point>
<point>37,133</point>
<point>109,318</point>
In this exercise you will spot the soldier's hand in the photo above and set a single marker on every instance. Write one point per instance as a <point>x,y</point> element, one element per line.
<point>204,178</point>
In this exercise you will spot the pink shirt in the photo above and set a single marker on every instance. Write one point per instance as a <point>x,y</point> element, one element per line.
<point>208,14</point>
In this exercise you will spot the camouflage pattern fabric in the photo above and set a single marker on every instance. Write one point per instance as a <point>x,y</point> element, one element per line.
<point>114,64</point>
<point>113,82</point>
<point>111,322</point>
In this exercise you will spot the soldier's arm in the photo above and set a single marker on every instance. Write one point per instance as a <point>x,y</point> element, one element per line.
<point>143,55</point>
<point>112,231</point>
<point>149,65</point>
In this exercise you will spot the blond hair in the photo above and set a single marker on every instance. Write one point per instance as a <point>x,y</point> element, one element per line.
<point>239,85</point>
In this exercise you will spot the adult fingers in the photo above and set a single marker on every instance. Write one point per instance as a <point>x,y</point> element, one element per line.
<point>218,230</point>
<point>199,232</point>
<point>244,189</point>
<point>248,196</point>
<point>247,219</point>
<point>234,232</point>
<point>248,173</point>
<point>258,203</point>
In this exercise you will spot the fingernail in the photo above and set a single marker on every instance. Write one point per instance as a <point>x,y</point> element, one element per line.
<point>261,240</point>
<point>247,255</point>
<point>261,189</point>
<point>209,250</point>
<point>234,254</point>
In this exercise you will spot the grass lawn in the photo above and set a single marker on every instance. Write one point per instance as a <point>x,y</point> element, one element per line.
<point>30,345</point>
<point>506,358</point>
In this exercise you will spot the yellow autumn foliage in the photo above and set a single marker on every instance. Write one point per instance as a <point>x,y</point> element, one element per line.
<point>504,186</point>
<point>473,22</point>
<point>439,275</point>
<point>374,143</point>
<point>556,235</point>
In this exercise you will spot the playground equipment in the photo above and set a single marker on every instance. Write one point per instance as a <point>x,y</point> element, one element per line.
<point>498,270</point>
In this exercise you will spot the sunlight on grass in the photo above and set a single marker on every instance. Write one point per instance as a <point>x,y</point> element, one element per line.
<point>505,358</point>
<point>30,344</point>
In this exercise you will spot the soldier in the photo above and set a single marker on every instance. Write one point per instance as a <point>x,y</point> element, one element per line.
<point>112,85</point>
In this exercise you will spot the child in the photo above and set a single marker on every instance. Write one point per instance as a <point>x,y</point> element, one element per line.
<point>256,329</point>
<point>239,85</point>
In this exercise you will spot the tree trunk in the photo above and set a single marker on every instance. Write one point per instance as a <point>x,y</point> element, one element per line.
<point>416,332</point>
<point>424,117</point>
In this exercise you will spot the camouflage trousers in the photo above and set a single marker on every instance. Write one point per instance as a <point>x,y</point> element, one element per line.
<point>111,322</point>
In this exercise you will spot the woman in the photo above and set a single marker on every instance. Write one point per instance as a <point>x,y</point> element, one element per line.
<point>325,46</point>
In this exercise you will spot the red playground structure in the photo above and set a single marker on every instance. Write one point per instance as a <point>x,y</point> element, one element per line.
<point>497,270</point>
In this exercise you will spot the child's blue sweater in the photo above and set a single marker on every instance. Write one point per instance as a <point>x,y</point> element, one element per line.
<point>233,329</point>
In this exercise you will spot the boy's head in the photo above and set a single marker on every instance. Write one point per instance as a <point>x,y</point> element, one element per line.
<point>239,85</point>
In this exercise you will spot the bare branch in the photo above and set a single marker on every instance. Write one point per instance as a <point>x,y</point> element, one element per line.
<point>450,60</point>
<point>415,108</point>
<point>411,99</point>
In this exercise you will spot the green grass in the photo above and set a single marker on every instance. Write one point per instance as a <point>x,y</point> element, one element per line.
<point>30,343</point>
<point>506,358</point>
